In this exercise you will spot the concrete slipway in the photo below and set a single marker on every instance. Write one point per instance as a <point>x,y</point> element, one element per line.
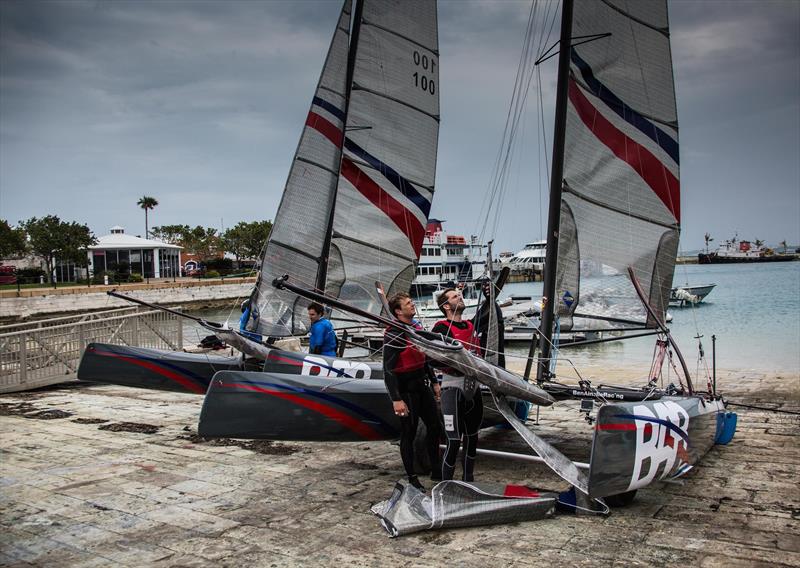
<point>108,476</point>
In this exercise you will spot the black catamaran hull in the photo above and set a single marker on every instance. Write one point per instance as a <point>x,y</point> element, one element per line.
<point>152,368</point>
<point>292,405</point>
<point>177,371</point>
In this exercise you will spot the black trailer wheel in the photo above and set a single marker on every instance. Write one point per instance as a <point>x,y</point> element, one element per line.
<point>621,499</point>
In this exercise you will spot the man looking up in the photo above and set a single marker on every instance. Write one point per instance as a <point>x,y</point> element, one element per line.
<point>323,339</point>
<point>462,405</point>
<point>409,379</point>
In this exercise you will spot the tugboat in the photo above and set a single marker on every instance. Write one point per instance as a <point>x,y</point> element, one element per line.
<point>734,250</point>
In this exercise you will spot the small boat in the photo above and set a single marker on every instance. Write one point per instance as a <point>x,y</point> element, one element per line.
<point>689,295</point>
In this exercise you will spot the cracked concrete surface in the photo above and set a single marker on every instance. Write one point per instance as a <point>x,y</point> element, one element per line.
<point>74,492</point>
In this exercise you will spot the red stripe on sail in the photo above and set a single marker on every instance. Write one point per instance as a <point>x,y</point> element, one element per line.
<point>325,127</point>
<point>654,173</point>
<point>345,420</point>
<point>400,215</point>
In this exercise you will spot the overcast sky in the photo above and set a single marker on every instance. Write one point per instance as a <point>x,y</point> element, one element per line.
<point>200,105</point>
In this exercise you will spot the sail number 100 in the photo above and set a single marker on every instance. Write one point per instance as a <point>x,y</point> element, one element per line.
<point>424,63</point>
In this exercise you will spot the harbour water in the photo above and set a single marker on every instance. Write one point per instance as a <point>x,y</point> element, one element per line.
<point>754,312</point>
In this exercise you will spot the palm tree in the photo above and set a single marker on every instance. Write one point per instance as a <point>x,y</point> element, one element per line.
<point>708,239</point>
<point>146,202</point>
<point>785,246</point>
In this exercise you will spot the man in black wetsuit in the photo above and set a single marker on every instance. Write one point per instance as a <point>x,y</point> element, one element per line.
<point>410,380</point>
<point>462,404</point>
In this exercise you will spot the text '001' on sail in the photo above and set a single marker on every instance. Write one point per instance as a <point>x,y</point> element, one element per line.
<point>359,191</point>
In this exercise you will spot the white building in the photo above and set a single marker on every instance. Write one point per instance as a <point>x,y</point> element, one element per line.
<point>151,259</point>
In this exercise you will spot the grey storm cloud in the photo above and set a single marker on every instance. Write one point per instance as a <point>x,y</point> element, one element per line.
<point>200,104</point>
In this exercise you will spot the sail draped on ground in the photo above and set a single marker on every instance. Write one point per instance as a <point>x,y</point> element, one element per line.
<point>455,504</point>
<point>621,195</point>
<point>389,162</point>
<point>298,235</point>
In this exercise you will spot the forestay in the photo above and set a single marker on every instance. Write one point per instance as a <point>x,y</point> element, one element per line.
<point>621,196</point>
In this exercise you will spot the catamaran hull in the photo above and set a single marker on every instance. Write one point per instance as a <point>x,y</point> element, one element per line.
<point>154,369</point>
<point>292,407</point>
<point>637,443</point>
<point>288,406</point>
<point>177,371</point>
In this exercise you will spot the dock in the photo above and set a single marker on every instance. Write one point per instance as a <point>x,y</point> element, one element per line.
<point>98,475</point>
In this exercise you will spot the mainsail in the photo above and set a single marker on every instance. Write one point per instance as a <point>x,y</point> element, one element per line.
<point>349,219</point>
<point>620,203</point>
<point>389,163</point>
<point>296,243</point>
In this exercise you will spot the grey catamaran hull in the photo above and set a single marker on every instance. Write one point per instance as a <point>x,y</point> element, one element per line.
<point>637,443</point>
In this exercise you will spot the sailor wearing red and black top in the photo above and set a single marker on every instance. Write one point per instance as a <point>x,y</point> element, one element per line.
<point>462,405</point>
<point>411,385</point>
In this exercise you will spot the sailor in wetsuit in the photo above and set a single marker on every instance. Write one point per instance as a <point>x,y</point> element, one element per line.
<point>462,405</point>
<point>410,380</point>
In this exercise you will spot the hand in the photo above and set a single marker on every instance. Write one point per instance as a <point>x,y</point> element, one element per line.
<point>437,391</point>
<point>400,408</point>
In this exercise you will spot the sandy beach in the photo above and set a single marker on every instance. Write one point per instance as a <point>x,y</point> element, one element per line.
<point>104,475</point>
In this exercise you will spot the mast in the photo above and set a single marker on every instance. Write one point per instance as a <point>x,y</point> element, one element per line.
<point>322,273</point>
<point>556,181</point>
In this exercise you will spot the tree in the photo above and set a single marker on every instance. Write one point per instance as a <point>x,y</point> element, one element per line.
<point>12,241</point>
<point>202,242</point>
<point>759,243</point>
<point>52,238</point>
<point>146,203</point>
<point>257,235</point>
<point>785,245</point>
<point>708,239</point>
<point>246,240</point>
<point>172,234</point>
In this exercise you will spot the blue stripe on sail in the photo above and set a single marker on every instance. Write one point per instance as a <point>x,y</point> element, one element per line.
<point>664,140</point>
<point>334,110</point>
<point>401,183</point>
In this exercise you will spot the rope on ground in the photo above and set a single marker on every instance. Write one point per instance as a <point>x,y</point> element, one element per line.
<point>754,407</point>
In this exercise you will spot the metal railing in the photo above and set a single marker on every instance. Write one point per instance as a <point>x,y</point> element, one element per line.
<point>64,320</point>
<point>39,356</point>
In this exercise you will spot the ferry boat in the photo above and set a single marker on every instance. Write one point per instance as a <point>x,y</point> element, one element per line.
<point>531,257</point>
<point>735,250</point>
<point>447,258</point>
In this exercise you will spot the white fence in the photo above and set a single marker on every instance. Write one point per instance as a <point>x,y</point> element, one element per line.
<point>42,353</point>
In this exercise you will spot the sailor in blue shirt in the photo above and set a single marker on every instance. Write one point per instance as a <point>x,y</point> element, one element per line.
<point>323,338</point>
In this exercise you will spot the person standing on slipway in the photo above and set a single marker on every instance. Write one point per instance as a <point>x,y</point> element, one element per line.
<point>412,387</point>
<point>323,339</point>
<point>462,404</point>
